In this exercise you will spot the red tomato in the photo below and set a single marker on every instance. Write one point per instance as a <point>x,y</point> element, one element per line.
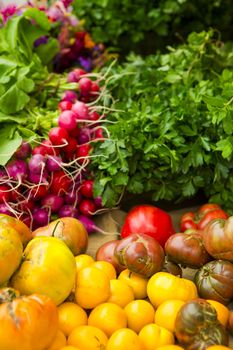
<point>149,220</point>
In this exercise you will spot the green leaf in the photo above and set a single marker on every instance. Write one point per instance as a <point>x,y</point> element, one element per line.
<point>8,145</point>
<point>214,101</point>
<point>38,16</point>
<point>13,100</point>
<point>225,147</point>
<point>47,51</point>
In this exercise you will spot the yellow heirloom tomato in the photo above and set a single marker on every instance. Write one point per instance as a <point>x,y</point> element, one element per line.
<point>153,336</point>
<point>137,282</point>
<point>163,286</point>
<point>165,314</point>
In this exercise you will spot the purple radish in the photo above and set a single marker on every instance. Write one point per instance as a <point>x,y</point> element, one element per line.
<point>37,163</point>
<point>4,209</point>
<point>90,225</point>
<point>70,96</point>
<point>68,211</point>
<point>73,197</point>
<point>53,202</point>
<point>84,136</point>
<point>53,163</point>
<point>98,202</point>
<point>24,150</point>
<point>17,169</point>
<point>40,217</point>
<point>37,178</point>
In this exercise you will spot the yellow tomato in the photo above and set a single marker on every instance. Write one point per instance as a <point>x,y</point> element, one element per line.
<point>92,287</point>
<point>223,312</point>
<point>121,293</point>
<point>165,314</point>
<point>164,286</point>
<point>48,268</point>
<point>153,336</point>
<point>70,315</point>
<point>83,260</point>
<point>88,338</point>
<point>139,313</point>
<point>170,347</point>
<point>137,282</point>
<point>107,267</point>
<point>109,317</point>
<point>124,339</point>
<point>58,342</point>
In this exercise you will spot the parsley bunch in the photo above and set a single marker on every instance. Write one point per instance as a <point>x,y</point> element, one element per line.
<point>172,133</point>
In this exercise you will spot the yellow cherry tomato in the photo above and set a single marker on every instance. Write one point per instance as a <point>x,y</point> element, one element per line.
<point>70,315</point>
<point>83,260</point>
<point>92,287</point>
<point>69,347</point>
<point>107,267</point>
<point>108,317</point>
<point>124,339</point>
<point>153,336</point>
<point>88,338</point>
<point>137,282</point>
<point>218,347</point>
<point>120,293</point>
<point>165,314</point>
<point>59,341</point>
<point>139,313</point>
<point>164,286</point>
<point>223,312</point>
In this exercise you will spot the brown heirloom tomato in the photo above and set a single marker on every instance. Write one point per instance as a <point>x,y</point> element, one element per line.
<point>26,322</point>
<point>172,268</point>
<point>141,254</point>
<point>106,253</point>
<point>22,229</point>
<point>197,326</point>
<point>218,238</point>
<point>215,281</point>
<point>187,249</point>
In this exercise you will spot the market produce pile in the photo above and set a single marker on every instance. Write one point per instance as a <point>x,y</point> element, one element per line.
<point>80,131</point>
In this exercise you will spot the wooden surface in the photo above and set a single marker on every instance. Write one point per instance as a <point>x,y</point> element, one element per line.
<point>111,223</point>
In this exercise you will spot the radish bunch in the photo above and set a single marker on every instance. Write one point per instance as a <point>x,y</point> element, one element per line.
<point>52,179</point>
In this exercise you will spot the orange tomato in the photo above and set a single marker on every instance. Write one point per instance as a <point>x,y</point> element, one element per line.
<point>153,336</point>
<point>165,314</point>
<point>92,287</point>
<point>108,317</point>
<point>88,338</point>
<point>70,315</point>
<point>59,341</point>
<point>139,313</point>
<point>107,267</point>
<point>124,339</point>
<point>83,260</point>
<point>120,293</point>
<point>137,282</point>
<point>164,286</point>
<point>223,312</point>
<point>170,347</point>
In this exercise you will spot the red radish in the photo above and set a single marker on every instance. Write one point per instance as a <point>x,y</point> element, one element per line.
<point>68,211</point>
<point>86,188</point>
<point>70,96</point>
<point>5,193</point>
<point>94,88</point>
<point>27,205</point>
<point>94,116</point>
<point>99,133</point>
<point>24,150</point>
<point>67,120</point>
<point>17,169</point>
<point>53,202</point>
<point>49,147</point>
<point>85,85</point>
<point>150,220</point>
<point>60,183</point>
<point>81,110</point>
<point>38,178</point>
<point>58,136</point>
<point>39,150</point>
<point>39,191</point>
<point>87,207</point>
<point>53,163</point>
<point>65,105</point>
<point>71,148</point>
<point>37,163</point>
<point>83,153</point>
